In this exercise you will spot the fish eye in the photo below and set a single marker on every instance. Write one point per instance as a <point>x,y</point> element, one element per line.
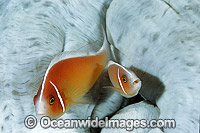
<point>124,79</point>
<point>52,100</point>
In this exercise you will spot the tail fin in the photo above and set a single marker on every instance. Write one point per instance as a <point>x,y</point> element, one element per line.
<point>105,49</point>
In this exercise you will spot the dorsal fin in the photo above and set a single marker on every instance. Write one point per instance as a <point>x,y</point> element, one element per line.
<point>106,46</point>
<point>121,66</point>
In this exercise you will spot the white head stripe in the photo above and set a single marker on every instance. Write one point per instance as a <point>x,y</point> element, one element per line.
<point>42,90</point>
<point>60,98</point>
<point>120,81</point>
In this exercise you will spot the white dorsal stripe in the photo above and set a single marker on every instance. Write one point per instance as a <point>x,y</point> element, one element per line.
<point>59,96</point>
<point>114,63</point>
<point>120,81</point>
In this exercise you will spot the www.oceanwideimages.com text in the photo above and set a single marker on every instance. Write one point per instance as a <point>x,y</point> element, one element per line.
<point>128,124</point>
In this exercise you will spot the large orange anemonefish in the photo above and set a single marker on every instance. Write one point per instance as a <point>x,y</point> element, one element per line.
<point>69,77</point>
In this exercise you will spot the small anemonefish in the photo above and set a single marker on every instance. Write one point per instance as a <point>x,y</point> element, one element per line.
<point>68,78</point>
<point>124,80</point>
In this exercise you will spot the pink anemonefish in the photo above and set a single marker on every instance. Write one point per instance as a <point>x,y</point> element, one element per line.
<point>124,80</point>
<point>68,78</point>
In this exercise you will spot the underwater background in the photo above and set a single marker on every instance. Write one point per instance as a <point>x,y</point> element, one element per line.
<point>157,39</point>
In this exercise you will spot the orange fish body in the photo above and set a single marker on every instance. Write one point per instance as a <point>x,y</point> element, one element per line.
<point>124,80</point>
<point>68,78</point>
<point>79,74</point>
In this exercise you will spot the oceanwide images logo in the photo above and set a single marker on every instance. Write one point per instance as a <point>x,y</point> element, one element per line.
<point>30,121</point>
<point>129,124</point>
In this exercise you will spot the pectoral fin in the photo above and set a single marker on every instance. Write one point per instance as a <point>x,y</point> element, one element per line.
<point>112,87</point>
<point>86,99</point>
<point>109,87</point>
